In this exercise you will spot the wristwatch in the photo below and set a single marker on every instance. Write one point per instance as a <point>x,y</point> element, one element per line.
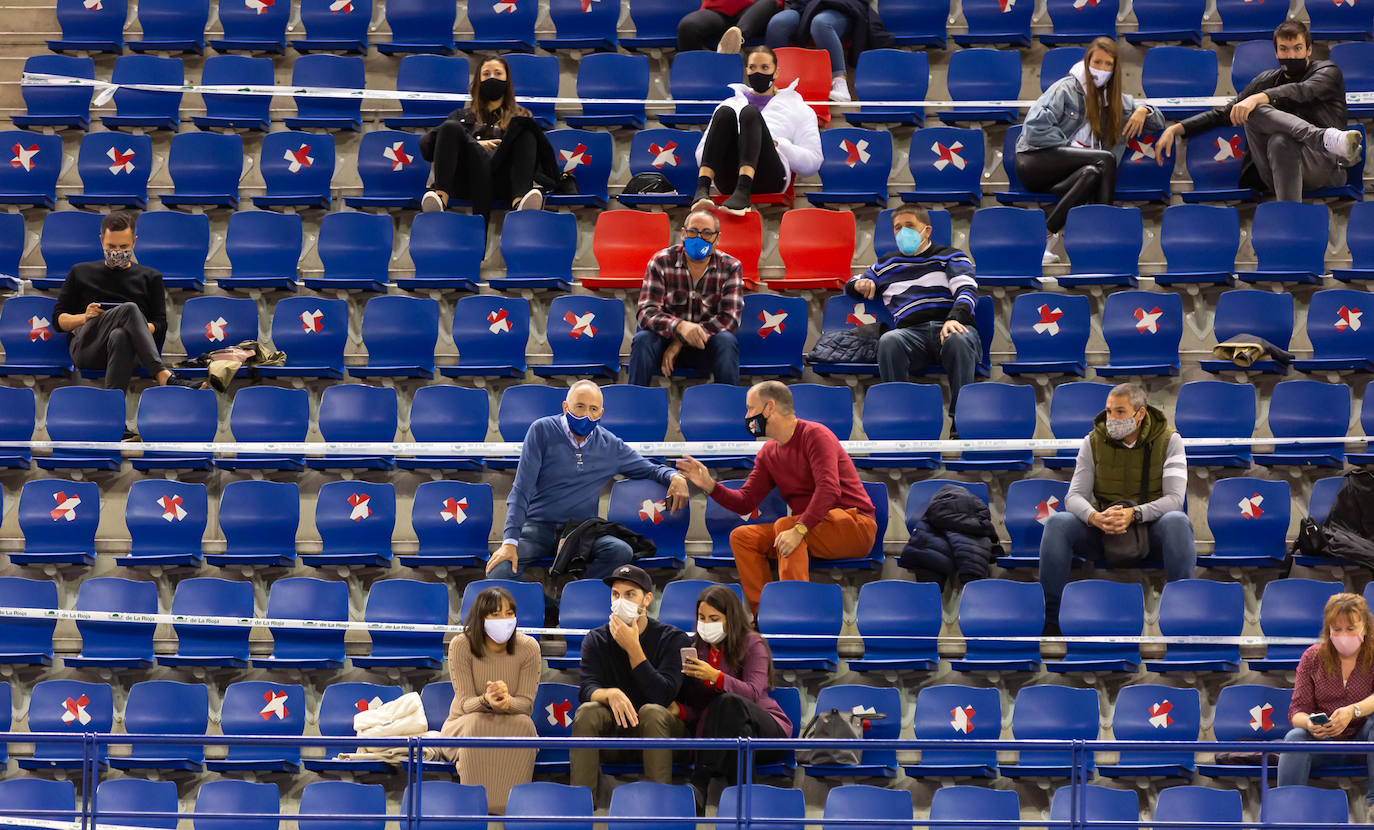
<point>801,528</point>
<point>1135,514</point>
<point>1356,709</point>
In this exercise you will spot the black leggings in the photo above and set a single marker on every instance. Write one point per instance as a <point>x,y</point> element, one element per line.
<point>1077,175</point>
<point>733,142</point>
<point>702,28</point>
<point>733,716</point>
<point>464,170</point>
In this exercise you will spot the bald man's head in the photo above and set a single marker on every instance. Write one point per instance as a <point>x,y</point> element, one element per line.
<point>583,400</point>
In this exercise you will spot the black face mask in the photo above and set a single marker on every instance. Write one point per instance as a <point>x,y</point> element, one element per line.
<point>1293,67</point>
<point>756,424</point>
<point>760,81</point>
<point>492,89</point>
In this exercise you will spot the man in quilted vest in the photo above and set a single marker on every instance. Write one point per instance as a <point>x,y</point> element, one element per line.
<point>1131,456</point>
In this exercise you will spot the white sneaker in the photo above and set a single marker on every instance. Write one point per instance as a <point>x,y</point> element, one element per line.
<point>533,200</point>
<point>730,41</point>
<point>1050,257</point>
<point>839,90</point>
<point>1343,144</point>
<point>431,202</point>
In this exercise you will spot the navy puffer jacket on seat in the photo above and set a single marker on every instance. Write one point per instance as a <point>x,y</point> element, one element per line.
<point>954,536</point>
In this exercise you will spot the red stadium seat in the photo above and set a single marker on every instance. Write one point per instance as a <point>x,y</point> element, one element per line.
<point>623,242</point>
<point>813,67</point>
<point>817,246</point>
<point>742,238</point>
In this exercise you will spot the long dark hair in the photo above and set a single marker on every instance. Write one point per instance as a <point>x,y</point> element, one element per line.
<point>502,115</point>
<point>1103,107</point>
<point>487,603</point>
<point>738,628</point>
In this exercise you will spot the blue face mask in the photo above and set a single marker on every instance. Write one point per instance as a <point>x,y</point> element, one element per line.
<point>909,241</point>
<point>696,248</point>
<point>580,426</point>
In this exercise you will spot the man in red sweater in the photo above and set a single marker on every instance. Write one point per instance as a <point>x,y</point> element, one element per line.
<point>832,517</point>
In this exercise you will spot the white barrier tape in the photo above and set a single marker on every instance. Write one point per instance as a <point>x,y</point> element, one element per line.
<point>107,90</point>
<point>49,824</point>
<point>426,628</point>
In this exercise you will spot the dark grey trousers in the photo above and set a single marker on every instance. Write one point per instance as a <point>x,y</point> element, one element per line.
<point>116,341</point>
<point>1288,153</point>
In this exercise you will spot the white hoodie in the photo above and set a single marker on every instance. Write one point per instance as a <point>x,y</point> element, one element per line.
<point>791,123</point>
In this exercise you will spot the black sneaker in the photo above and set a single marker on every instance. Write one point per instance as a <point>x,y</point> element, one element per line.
<point>186,382</point>
<point>738,203</point>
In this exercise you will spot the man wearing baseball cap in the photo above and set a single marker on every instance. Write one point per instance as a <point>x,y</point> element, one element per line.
<point>631,673</point>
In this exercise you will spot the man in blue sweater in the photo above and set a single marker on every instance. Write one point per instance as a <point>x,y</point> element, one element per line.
<point>565,461</point>
<point>931,293</point>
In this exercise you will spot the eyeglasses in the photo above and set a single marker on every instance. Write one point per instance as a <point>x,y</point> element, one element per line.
<point>693,233</point>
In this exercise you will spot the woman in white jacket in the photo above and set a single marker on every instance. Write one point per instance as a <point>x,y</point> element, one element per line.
<point>758,139</point>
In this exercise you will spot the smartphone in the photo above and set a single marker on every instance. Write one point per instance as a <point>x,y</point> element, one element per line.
<point>689,653</point>
<point>1318,719</point>
<point>108,306</point>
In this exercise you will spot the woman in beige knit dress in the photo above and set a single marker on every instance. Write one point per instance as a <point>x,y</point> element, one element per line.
<point>495,673</point>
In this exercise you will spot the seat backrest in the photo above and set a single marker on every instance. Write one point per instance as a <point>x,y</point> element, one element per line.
<point>299,598</point>
<point>174,19</point>
<point>29,333</point>
<point>399,330</point>
<point>165,518</point>
<point>327,20</point>
<point>624,240</point>
<point>1333,324</point>
<point>946,159</point>
<point>69,237</point>
<point>860,801</point>
<point>1086,20</point>
<point>357,412</point>
<point>59,516</point>
<point>238,70</point>
<point>1055,713</point>
<point>28,636</point>
<point>1143,326</point>
<point>1151,712</point>
<point>1213,158</point>
<point>1201,608</point>
<point>261,22</point>
<point>898,608</point>
<point>262,243</point>
<point>85,413</point>
<point>1251,57</point>
<point>449,798</point>
<point>390,165</point>
<point>1308,408</point>
<point>223,795</point>
<point>1199,805</point>
<point>419,21</point>
<point>1216,409</point>
<point>1293,608</point>
<point>985,74</point>
<point>972,804</point>
<point>830,406</point>
<point>270,413</point>
<point>1323,497</point>
<point>670,152</point>
<point>721,522</point>
<point>148,69</point>
<point>206,163</point>
<point>46,798</point>
<point>101,22</point>
<point>656,18</point>
<point>919,493</point>
<point>1246,712</point>
<point>635,413</point>
<point>713,412</point>
<point>898,74</point>
<point>449,413</point>
<point>801,608</point>
<point>855,159</point>
<point>811,68</point>
<point>1356,61</point>
<point>555,704</point>
<point>996,410</point>
<point>451,517</point>
<point>899,410</point>
<point>209,323</point>
<point>586,155</point>
<point>1179,72</point>
<point>355,245</point>
<point>297,163</point>
<point>1250,515</point>
<point>356,517</point>
<point>1290,236</point>
<point>774,802</point>
<point>529,599</point>
<point>816,243</point>
<point>532,76</point>
<point>407,601</point>
<point>1057,62</point>
<point>883,700</point>
<point>1359,235</point>
<point>212,597</point>
<point>1104,239</point>
<point>448,245</point>
<point>341,701</point>
<point>651,799</point>
<point>677,605</point>
<point>175,244</point>
<point>1030,503</point>
<point>166,707</point>
<point>641,505</point>
<point>1300,803</point>
<point>115,164</point>
<point>539,244</point>
<point>65,101</point>
<point>1007,241</point>
<point>523,404</point>
<point>71,706</point>
<point>586,330</point>
<point>491,330</point>
<point>1050,327</point>
<point>34,166</point>
<point>1200,238</point>
<point>137,795</point>
<point>1100,804</point>
<point>613,75</point>
<point>572,20</point>
<point>742,238</point>
<point>582,604</point>
<point>545,798</point>
<point>703,76</point>
<point>431,73</point>
<point>1001,608</point>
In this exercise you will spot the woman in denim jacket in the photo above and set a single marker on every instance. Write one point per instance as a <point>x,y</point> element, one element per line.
<point>1069,143</point>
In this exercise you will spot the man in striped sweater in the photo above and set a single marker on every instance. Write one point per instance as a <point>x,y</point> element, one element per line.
<point>931,292</point>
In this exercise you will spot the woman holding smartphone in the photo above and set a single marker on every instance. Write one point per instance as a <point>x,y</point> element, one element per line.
<point>729,673</point>
<point>1334,692</point>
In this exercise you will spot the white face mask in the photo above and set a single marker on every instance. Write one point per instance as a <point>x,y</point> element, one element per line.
<point>1100,76</point>
<point>1120,428</point>
<point>711,632</point>
<point>501,629</point>
<point>626,610</point>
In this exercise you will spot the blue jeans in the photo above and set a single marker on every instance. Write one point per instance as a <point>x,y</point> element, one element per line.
<point>1296,767</point>
<point>720,357</point>
<point>828,28</point>
<point>1171,539</point>
<point>904,351</point>
<point>540,539</point>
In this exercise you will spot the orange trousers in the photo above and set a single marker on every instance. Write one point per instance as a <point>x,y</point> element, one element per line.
<point>843,534</point>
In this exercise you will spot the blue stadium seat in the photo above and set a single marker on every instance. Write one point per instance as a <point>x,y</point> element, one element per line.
<point>253,26</point>
<point>830,406</point>
<point>355,249</point>
<point>1057,62</point>
<point>1168,20</point>
<point>860,801</point>
<point>491,333</point>
<point>897,74</point>
<point>900,411</point>
<point>983,75</point>
<point>655,24</point>
<point>268,413</point>
<point>1323,497</point>
<point>1201,608</point>
<point>715,412</point>
<point>166,522</point>
<point>172,26</point>
<point>206,169</point>
<point>448,798</point>
<point>296,168</point>
<point>885,701</point>
<point>1307,409</point>
<point>260,707</point>
<point>919,493</point>
<point>1179,72</point>
<point>587,156</point>
<point>1291,608</point>
<point>585,334</point>
<point>1248,713</point>
<point>1250,58</point>
<point>84,413</point>
<point>1200,244</point>
<point>1190,804</point>
<point>913,23</point>
<point>961,713</point>
<point>994,608</point>
<point>1249,520</point>
<point>1000,22</point>
<point>699,75</point>
<point>1100,608</point>
<point>143,108</point>
<point>1030,503</point>
<point>1139,177</point>
<point>802,608</point>
<point>506,26</point>
<point>1079,22</point>
<point>57,105</point>
<point>778,803</point>
<point>1149,712</point>
<point>670,152</point>
<point>904,619</point>
<point>1264,314</point>
<point>968,803</point>
<point>45,503</point>
<point>211,645</point>
<point>67,707</point>
<point>946,165</point>
<point>520,406</point>
<point>447,250</point>
<point>68,237</point>
<point>1142,330</point>
<point>209,323</point>
<point>332,72</point>
<point>545,798</point>
<point>177,245</point>
<point>437,699</point>
<point>405,601</point>
<point>17,418</point>
<point>1215,409</point>
<point>392,171</point>
<point>32,341</point>
<point>27,642</point>
<point>452,521</point>
<point>1103,243</point>
<point>427,73</point>
<point>443,413</point>
<point>163,707</point>
<point>1339,22</point>
<point>355,412</point>
<point>45,798</point>
<point>95,28</point>
<point>418,26</point>
<point>114,169</point>
<point>1100,804</point>
<point>1359,239</point>
<point>611,75</point>
<point>844,312</point>
<point>788,699</point>
<point>533,76</point>
<point>772,335</point>
<point>306,598</point>
<point>1213,159</point>
<point>1007,243</point>
<point>1339,341</point>
<point>1356,61</point>
<point>635,413</point>
<point>721,522</point>
<point>400,334</point>
<point>641,505</point>
<point>1050,332</point>
<point>1287,806</point>
<point>583,604</point>
<point>1357,458</point>
<point>132,795</point>
<point>538,247</point>
<point>653,800</point>
<point>1290,242</point>
<point>355,520</point>
<point>995,411</point>
<point>312,331</point>
<point>854,167</point>
<point>555,704</point>
<point>13,246</point>
<point>678,601</point>
<point>1059,713</point>
<point>226,796</point>
<point>1241,21</point>
<point>339,703</point>
<point>581,25</point>
<point>331,26</point>
<point>264,248</point>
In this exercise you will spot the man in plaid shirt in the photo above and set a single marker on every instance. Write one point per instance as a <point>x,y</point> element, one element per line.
<point>689,307</point>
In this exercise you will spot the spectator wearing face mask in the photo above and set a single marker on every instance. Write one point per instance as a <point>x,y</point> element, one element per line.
<point>689,307</point>
<point>1294,119</point>
<point>631,672</point>
<point>565,462</point>
<point>931,293</point>
<point>1335,679</point>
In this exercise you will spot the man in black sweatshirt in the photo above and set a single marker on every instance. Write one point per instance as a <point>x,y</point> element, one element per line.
<point>114,312</point>
<point>631,673</point>
<point>1294,118</point>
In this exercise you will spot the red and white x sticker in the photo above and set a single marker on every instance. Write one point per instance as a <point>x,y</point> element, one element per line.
<point>1250,508</point>
<point>560,713</point>
<point>259,6</point>
<point>1262,717</point>
<point>397,155</point>
<point>1159,714</point>
<point>574,157</point>
<point>276,705</point>
<point>74,711</point>
<point>1047,508</point>
<point>859,317</point>
<point>499,320</point>
<point>1049,320</point>
<point>40,328</point>
<point>949,155</point>
<point>341,7</point>
<point>771,323</point>
<point>172,511</point>
<point>856,153</point>
<point>652,511</point>
<point>120,162</point>
<point>1227,149</point>
<point>310,320</point>
<point>298,158</point>
<point>664,156</point>
<point>581,324</point>
<point>361,509</point>
<point>1348,318</point>
<point>1147,321</point>
<point>365,705</point>
<point>454,510</point>
<point>66,506</point>
<point>961,718</point>
<point>214,330</point>
<point>24,157</point>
